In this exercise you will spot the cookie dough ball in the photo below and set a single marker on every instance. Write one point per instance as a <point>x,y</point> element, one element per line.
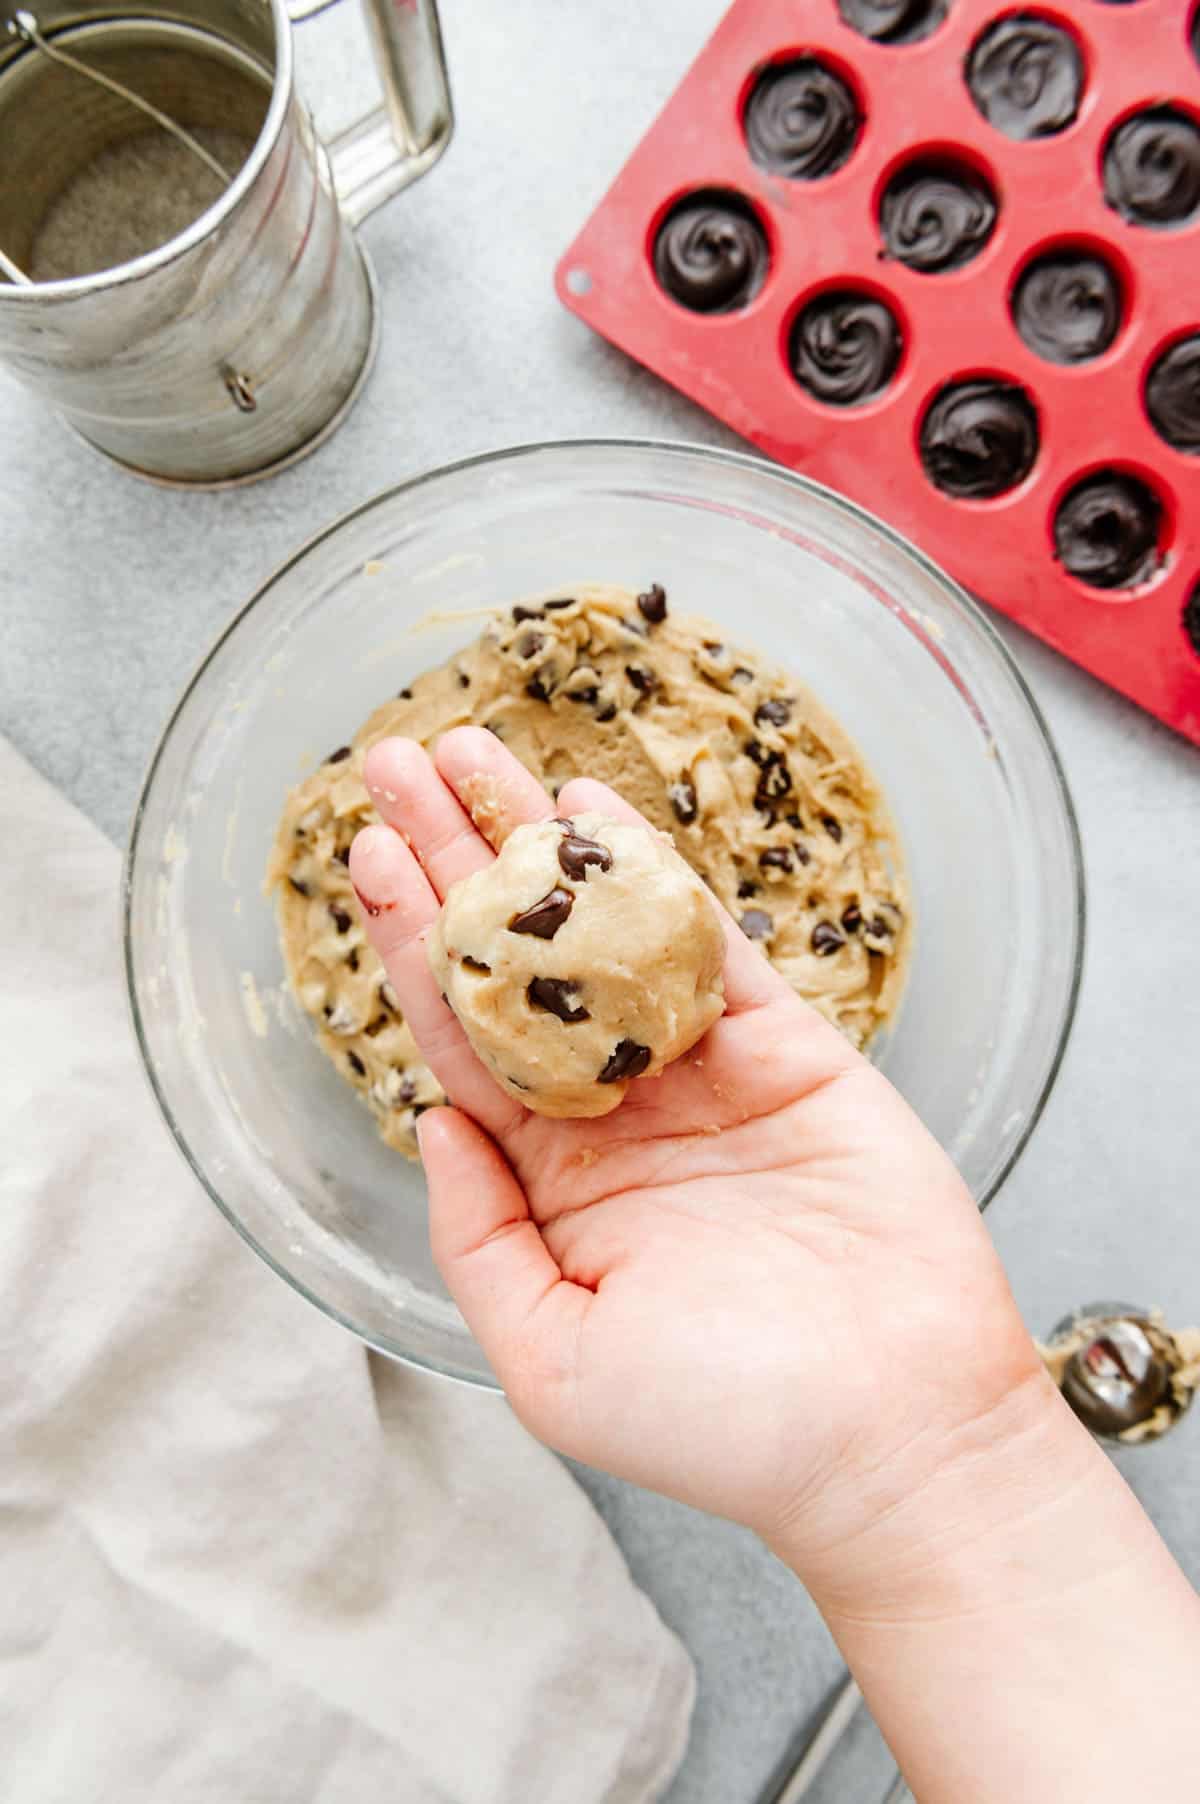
<point>586,955</point>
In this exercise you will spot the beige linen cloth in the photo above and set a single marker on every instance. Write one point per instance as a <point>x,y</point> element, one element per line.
<point>241,1562</point>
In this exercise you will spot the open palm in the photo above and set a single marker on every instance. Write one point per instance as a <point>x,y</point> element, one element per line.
<point>755,1283</point>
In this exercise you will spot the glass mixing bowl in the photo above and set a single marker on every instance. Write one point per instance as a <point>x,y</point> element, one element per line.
<point>899,654</point>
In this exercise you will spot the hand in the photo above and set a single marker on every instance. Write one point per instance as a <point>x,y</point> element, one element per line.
<point>759,1285</point>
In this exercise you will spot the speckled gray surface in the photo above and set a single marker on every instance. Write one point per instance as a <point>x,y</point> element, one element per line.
<point>111,591</point>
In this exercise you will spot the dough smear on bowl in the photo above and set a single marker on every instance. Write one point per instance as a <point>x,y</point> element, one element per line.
<point>764,795</point>
<point>586,955</point>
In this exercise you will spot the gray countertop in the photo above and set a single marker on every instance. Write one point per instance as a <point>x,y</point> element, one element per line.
<point>111,590</point>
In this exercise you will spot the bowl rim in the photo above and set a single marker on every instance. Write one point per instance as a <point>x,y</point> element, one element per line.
<point>745,462</point>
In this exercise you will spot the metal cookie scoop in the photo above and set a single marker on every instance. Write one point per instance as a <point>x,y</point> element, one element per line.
<point>1126,1376</point>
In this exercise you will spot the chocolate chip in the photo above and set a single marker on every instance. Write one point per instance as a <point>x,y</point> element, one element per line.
<point>757,752</point>
<point>777,858</point>
<point>376,1027</point>
<point>879,928</point>
<point>343,855</point>
<point>642,679</point>
<point>301,889</point>
<point>575,854</point>
<point>714,648</point>
<point>537,689</point>
<point>774,783</point>
<point>608,712</point>
<point>520,614</point>
<point>773,714</point>
<point>544,918</point>
<point>803,855</point>
<point>833,827</point>
<point>653,604</point>
<point>558,996</point>
<point>404,695</point>
<point>741,675</point>
<point>826,939</point>
<point>476,964</point>
<point>530,643</point>
<point>794,820</point>
<point>464,681</point>
<point>407,1090</point>
<point>508,1076</point>
<point>565,601</point>
<point>756,924</point>
<point>337,757</point>
<point>852,917</point>
<point>356,1065</point>
<point>628,1059</point>
<point>746,888</point>
<point>635,628</point>
<point>352,958</point>
<point>682,797</point>
<point>388,996</point>
<point>588,695</point>
<point>341,920</point>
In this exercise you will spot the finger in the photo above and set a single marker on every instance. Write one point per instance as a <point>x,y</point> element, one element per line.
<point>494,787</point>
<point>405,787</point>
<point>399,908</point>
<point>518,1305</point>
<point>750,982</point>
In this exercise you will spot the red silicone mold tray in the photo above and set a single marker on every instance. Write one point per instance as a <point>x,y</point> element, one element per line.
<point>824,234</point>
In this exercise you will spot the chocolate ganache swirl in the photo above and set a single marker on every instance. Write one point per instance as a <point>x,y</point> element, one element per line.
<point>893,21</point>
<point>1026,76</point>
<point>844,348</point>
<point>935,216</point>
<point>1173,395</point>
<point>1106,531</point>
<point>802,120</point>
<point>711,253</point>
<point>979,438</point>
<point>1067,306</point>
<point>1152,168</point>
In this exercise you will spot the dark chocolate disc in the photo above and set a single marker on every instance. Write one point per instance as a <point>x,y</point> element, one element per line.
<point>1152,168</point>
<point>936,216</point>
<point>1026,76</point>
<point>1173,395</point>
<point>979,438</point>
<point>844,347</point>
<point>893,21</point>
<point>1191,620</point>
<point>801,120</point>
<point>711,253</point>
<point>1106,531</point>
<point>1067,306</point>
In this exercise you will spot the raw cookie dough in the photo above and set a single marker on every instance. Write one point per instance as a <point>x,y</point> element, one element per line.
<point>766,797</point>
<point>586,955</point>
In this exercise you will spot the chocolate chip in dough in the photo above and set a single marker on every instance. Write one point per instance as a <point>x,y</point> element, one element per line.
<point>833,827</point>
<point>341,920</point>
<point>608,712</point>
<point>776,858</point>
<point>653,604</point>
<point>803,855</point>
<point>628,1059</point>
<point>404,695</point>
<point>356,1065</point>
<point>742,675</point>
<point>642,679</point>
<point>343,855</point>
<point>558,996</point>
<point>338,757</point>
<point>773,713</point>
<point>774,783</point>
<point>564,601</point>
<point>576,854</point>
<point>520,613</point>
<point>476,964</point>
<point>352,958</point>
<point>852,917</point>
<point>544,918</point>
<point>682,797</point>
<point>301,889</point>
<point>826,939</point>
<point>537,690</point>
<point>530,644</point>
<point>747,888</point>
<point>757,924</point>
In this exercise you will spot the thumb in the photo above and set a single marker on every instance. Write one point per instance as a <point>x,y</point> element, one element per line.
<point>525,1315</point>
